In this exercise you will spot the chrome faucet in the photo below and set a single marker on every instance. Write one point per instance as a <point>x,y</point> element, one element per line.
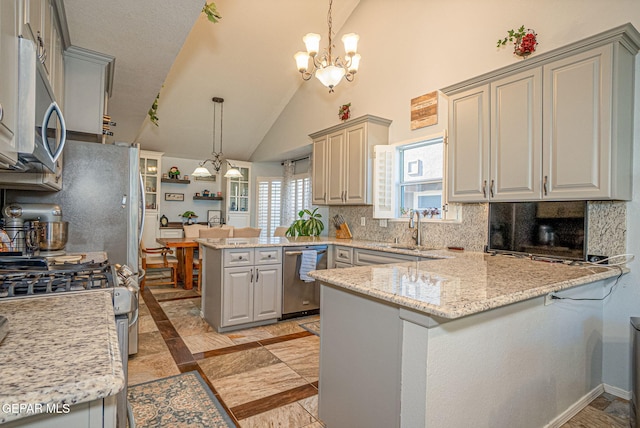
<point>417,235</point>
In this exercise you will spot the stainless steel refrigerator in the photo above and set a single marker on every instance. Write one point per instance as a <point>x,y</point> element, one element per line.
<point>100,198</point>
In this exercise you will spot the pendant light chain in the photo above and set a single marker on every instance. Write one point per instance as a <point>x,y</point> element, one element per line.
<point>330,22</point>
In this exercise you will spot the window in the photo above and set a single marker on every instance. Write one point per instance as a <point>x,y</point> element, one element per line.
<point>421,167</point>
<point>410,175</point>
<point>270,201</point>
<point>300,194</point>
<point>269,206</point>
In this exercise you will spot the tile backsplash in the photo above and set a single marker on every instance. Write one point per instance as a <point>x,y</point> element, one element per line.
<point>606,230</point>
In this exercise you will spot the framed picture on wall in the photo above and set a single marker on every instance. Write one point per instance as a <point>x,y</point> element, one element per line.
<point>174,196</point>
<point>214,217</point>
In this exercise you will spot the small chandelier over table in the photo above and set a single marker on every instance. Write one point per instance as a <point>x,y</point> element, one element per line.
<point>327,69</point>
<point>216,159</point>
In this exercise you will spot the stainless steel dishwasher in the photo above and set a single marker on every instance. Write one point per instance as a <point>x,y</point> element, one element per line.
<point>300,298</point>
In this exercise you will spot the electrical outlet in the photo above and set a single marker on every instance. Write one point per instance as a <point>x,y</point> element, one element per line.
<point>548,300</point>
<point>383,222</point>
<point>363,221</point>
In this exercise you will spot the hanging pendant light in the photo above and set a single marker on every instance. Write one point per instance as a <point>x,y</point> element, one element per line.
<point>327,69</point>
<point>216,159</point>
<point>232,172</point>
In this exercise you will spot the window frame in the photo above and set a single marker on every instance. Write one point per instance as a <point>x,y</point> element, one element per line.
<point>449,212</point>
<point>269,180</point>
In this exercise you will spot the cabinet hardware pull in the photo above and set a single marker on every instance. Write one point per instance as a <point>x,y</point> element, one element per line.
<point>251,279</point>
<point>491,189</point>
<point>257,275</point>
<point>484,189</point>
<point>324,196</point>
<point>239,257</point>
<point>544,185</point>
<point>1,112</point>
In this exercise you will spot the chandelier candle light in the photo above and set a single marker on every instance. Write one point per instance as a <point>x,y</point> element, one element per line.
<point>327,69</point>
<point>216,157</point>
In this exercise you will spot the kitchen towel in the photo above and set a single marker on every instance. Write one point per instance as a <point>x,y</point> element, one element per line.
<point>307,264</point>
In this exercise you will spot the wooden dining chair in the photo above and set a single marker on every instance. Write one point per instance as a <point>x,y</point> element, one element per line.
<point>159,258</point>
<point>280,231</point>
<point>193,230</point>
<point>212,232</point>
<point>247,232</point>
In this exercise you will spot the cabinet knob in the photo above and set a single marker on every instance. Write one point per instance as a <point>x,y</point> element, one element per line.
<point>240,257</point>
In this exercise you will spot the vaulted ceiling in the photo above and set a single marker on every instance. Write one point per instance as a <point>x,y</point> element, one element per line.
<point>170,47</point>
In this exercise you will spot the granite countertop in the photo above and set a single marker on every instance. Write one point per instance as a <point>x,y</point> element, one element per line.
<point>463,283</point>
<point>226,243</point>
<point>60,349</point>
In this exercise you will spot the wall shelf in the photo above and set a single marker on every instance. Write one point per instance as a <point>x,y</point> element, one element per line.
<point>207,198</point>
<point>173,180</point>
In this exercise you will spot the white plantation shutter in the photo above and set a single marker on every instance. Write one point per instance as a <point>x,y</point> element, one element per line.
<point>384,181</point>
<point>269,204</point>
<point>300,194</point>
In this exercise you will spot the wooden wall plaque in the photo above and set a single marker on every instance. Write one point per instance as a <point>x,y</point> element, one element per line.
<point>424,110</point>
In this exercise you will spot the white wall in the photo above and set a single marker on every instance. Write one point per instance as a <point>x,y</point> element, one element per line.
<point>172,209</point>
<point>412,47</point>
<point>625,302</point>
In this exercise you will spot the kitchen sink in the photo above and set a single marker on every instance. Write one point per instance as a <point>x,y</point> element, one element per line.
<point>411,247</point>
<point>404,246</point>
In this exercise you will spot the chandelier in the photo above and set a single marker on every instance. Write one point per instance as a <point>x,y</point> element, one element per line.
<point>329,70</point>
<point>216,159</point>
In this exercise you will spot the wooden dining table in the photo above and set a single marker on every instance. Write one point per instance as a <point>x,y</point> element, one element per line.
<point>184,252</point>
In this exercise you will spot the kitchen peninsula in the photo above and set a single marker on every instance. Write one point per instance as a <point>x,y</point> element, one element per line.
<point>461,341</point>
<point>61,361</point>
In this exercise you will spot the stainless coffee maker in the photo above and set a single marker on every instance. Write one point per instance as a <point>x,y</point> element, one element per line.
<point>34,227</point>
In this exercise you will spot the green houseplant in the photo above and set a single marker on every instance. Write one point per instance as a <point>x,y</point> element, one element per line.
<point>188,216</point>
<point>308,224</point>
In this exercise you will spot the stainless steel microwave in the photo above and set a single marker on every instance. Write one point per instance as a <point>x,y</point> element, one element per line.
<point>41,130</point>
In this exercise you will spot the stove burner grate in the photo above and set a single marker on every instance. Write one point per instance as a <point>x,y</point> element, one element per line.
<point>16,281</point>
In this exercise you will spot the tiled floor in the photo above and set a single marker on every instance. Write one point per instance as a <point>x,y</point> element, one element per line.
<point>264,376</point>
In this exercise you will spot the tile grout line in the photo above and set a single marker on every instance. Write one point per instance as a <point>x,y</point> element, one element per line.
<point>151,302</point>
<point>178,350</point>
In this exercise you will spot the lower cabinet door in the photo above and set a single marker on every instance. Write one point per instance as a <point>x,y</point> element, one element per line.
<point>237,296</point>
<point>267,299</point>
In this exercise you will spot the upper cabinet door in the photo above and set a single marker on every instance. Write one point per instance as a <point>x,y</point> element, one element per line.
<point>577,126</point>
<point>469,145</point>
<point>335,169</point>
<point>356,173</point>
<point>319,171</point>
<point>8,81</point>
<point>516,137</point>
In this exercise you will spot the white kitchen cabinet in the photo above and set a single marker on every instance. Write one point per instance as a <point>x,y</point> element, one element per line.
<point>468,145</point>
<point>100,413</point>
<point>495,140</point>
<point>319,171</point>
<point>88,77</point>
<point>343,155</point>
<point>238,196</point>
<point>171,233</point>
<point>150,171</point>
<point>588,117</point>
<point>243,287</point>
<point>558,129</point>
<point>9,10</point>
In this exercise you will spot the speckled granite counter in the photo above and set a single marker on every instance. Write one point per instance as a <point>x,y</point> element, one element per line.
<point>224,243</point>
<point>462,284</point>
<point>60,350</point>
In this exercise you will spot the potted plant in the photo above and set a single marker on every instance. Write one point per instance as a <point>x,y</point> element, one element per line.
<point>309,224</point>
<point>188,216</point>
